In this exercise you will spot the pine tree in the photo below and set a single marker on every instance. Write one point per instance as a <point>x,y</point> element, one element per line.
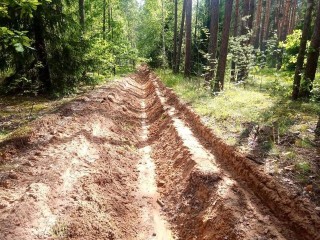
<point>187,68</point>
<point>312,59</point>
<point>302,50</point>
<point>219,83</point>
<point>213,40</point>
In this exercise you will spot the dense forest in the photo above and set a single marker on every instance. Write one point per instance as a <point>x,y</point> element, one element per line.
<point>53,46</point>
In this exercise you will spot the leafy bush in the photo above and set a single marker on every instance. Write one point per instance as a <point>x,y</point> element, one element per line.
<point>291,49</point>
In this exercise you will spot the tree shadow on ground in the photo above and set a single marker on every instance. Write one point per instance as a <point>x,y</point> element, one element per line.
<point>275,129</point>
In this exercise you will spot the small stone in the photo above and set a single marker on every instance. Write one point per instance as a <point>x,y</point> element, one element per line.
<point>318,209</point>
<point>161,183</point>
<point>28,164</point>
<point>13,175</point>
<point>154,234</point>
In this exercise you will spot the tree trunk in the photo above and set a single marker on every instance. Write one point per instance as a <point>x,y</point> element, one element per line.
<point>219,83</point>
<point>41,50</point>
<point>257,26</point>
<point>180,37</point>
<point>312,59</point>
<point>285,22</point>
<point>302,50</point>
<point>174,57</point>
<point>265,29</point>
<point>245,12</point>
<point>196,22</point>
<point>292,20</point>
<point>248,9</point>
<point>187,69</point>
<point>213,40</point>
<point>235,34</point>
<point>81,14</point>
<point>251,13</point>
<point>163,36</point>
<point>104,19</point>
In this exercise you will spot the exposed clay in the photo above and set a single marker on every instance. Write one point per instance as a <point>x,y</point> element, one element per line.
<point>122,160</point>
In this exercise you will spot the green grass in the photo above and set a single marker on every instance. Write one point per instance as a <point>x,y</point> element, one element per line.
<point>264,101</point>
<point>256,101</point>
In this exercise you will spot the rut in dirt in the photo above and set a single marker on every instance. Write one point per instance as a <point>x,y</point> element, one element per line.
<point>130,161</point>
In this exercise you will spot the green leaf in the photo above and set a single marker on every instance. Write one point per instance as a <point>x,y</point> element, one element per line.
<point>19,47</point>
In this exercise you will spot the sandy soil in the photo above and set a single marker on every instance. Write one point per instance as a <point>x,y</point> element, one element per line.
<point>130,161</point>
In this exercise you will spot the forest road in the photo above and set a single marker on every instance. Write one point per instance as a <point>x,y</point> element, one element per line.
<point>130,161</point>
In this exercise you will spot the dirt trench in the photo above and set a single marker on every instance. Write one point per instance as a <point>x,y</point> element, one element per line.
<point>130,161</point>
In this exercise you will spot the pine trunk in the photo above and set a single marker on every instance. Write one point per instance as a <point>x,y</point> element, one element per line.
<point>180,37</point>
<point>266,24</point>
<point>41,50</point>
<point>312,59</point>
<point>221,70</point>
<point>235,34</point>
<point>104,19</point>
<point>302,50</point>
<point>81,14</point>
<point>285,22</point>
<point>213,40</point>
<point>187,68</point>
<point>257,26</point>
<point>292,20</point>
<point>174,57</point>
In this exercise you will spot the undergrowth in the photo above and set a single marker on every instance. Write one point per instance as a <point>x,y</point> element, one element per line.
<point>258,115</point>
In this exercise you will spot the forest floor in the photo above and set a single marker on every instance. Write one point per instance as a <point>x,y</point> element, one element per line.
<point>259,119</point>
<point>128,160</point>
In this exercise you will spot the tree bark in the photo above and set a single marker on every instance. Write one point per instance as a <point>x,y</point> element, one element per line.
<point>180,37</point>
<point>174,57</point>
<point>81,14</point>
<point>257,26</point>
<point>312,59</point>
<point>245,12</point>
<point>251,13</point>
<point>219,83</point>
<point>187,69</point>
<point>265,29</point>
<point>104,19</point>
<point>285,22</point>
<point>41,50</point>
<point>213,40</point>
<point>235,34</point>
<point>163,36</point>
<point>292,20</point>
<point>302,50</point>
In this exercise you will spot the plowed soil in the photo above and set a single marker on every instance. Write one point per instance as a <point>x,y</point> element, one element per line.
<point>130,161</point>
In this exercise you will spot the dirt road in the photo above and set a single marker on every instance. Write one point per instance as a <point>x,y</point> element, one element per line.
<point>130,161</point>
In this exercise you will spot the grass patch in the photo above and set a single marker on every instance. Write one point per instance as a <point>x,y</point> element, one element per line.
<point>259,118</point>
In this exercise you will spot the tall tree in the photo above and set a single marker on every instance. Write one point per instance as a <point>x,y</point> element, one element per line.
<point>213,40</point>
<point>181,36</point>
<point>175,35</point>
<point>81,14</point>
<point>266,24</point>
<point>257,25</point>
<point>312,59</point>
<point>41,49</point>
<point>163,35</point>
<point>235,34</point>
<point>104,19</point>
<point>302,50</point>
<point>219,83</point>
<point>285,21</point>
<point>187,69</point>
<point>293,13</point>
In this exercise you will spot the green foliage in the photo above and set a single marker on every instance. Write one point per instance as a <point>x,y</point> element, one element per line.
<point>242,53</point>
<point>71,55</point>
<point>291,49</point>
<point>272,51</point>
